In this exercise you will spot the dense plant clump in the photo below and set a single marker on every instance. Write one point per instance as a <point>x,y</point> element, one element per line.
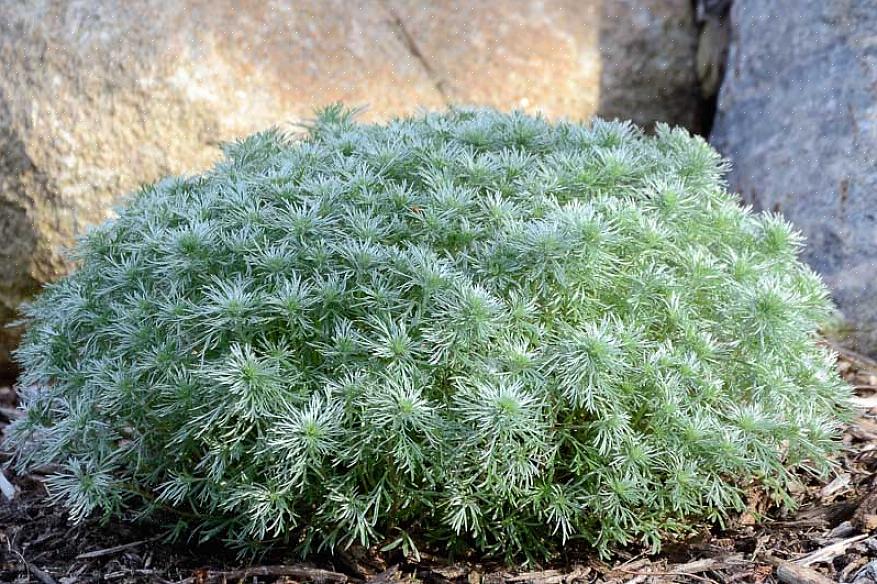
<point>474,328</point>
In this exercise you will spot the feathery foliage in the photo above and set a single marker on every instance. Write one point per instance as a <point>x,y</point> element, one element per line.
<point>472,327</point>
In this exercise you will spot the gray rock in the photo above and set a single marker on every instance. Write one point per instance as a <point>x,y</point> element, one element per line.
<point>648,70</point>
<point>100,96</point>
<point>797,116</point>
<point>867,575</point>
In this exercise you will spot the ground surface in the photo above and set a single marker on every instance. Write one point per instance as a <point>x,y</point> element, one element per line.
<point>832,537</point>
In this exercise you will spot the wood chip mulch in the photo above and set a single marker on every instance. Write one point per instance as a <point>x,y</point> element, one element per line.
<point>832,537</point>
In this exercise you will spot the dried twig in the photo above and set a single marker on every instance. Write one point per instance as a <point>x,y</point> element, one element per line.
<point>829,552</point>
<point>549,576</point>
<point>790,573</point>
<point>302,572</point>
<point>135,572</point>
<point>667,573</point>
<point>39,574</point>
<point>866,403</point>
<point>839,483</point>
<point>112,550</point>
<point>704,565</point>
<point>33,570</point>
<point>387,575</point>
<point>689,570</point>
<point>803,523</point>
<point>692,569</point>
<point>7,488</point>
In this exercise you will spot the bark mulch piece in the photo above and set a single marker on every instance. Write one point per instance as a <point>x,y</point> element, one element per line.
<point>832,537</point>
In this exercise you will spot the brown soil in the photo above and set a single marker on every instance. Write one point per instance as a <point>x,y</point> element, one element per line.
<point>832,537</point>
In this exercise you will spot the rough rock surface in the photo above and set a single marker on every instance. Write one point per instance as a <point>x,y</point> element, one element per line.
<point>631,59</point>
<point>99,96</point>
<point>797,116</point>
<point>648,62</point>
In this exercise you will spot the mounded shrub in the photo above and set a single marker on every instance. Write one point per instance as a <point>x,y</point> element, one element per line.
<point>472,328</point>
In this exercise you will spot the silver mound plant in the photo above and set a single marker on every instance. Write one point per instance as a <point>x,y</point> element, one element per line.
<point>473,328</point>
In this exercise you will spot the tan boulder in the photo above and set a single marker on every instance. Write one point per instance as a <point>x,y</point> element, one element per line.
<point>100,96</point>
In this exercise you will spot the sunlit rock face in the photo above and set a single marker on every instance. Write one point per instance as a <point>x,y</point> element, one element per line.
<point>100,96</point>
<point>796,117</point>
